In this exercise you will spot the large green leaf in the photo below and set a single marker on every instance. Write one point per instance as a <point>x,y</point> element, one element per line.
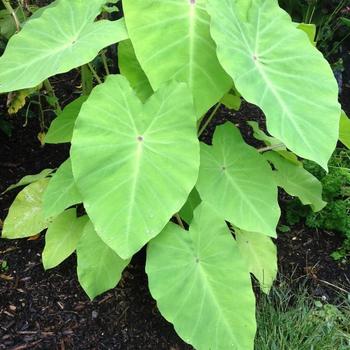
<point>130,67</point>
<point>61,129</point>
<point>238,182</point>
<point>145,160</point>
<point>201,283</point>
<point>28,179</point>
<point>99,267</point>
<point>63,37</point>
<point>172,41</point>
<point>297,181</point>
<point>61,192</point>
<point>260,255</point>
<point>25,217</point>
<point>274,66</point>
<point>344,130</point>
<point>62,237</point>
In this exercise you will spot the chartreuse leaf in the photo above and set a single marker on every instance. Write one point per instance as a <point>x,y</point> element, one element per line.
<point>309,29</point>
<point>62,237</point>
<point>238,182</point>
<point>61,129</point>
<point>99,267</point>
<point>130,67</point>
<point>202,271</point>
<point>344,130</point>
<point>145,160</point>
<point>231,101</point>
<point>268,140</point>
<point>28,179</point>
<point>297,181</point>
<point>274,66</point>
<point>260,255</point>
<point>63,37</point>
<point>193,200</point>
<point>172,41</point>
<point>275,144</point>
<point>25,217</point>
<point>61,192</point>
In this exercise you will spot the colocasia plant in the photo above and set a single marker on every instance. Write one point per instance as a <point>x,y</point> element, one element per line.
<point>207,213</point>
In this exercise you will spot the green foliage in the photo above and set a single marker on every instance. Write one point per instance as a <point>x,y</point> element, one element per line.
<point>232,100</point>
<point>61,129</point>
<point>344,130</point>
<point>26,217</point>
<point>28,179</point>
<point>292,319</point>
<point>260,74</point>
<point>202,270</point>
<point>62,237</point>
<point>136,162</point>
<point>132,142</point>
<point>61,192</point>
<point>230,182</point>
<point>99,268</point>
<point>3,266</point>
<point>130,68</point>
<point>326,15</point>
<point>63,37</point>
<point>336,191</point>
<point>181,30</point>
<point>260,255</point>
<point>297,181</point>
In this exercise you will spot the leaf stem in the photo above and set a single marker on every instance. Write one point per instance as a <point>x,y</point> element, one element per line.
<point>105,64</point>
<point>207,122</point>
<point>86,80</point>
<point>98,79</point>
<point>10,9</point>
<point>270,148</point>
<point>179,221</point>
<point>51,92</point>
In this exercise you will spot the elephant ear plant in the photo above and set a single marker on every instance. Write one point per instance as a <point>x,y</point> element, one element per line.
<point>136,161</point>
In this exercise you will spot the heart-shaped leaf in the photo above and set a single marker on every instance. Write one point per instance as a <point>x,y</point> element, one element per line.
<point>172,41</point>
<point>65,36</point>
<point>202,285</point>
<point>238,182</point>
<point>274,66</point>
<point>145,160</point>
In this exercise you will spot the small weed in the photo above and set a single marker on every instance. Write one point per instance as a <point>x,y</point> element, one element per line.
<point>3,266</point>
